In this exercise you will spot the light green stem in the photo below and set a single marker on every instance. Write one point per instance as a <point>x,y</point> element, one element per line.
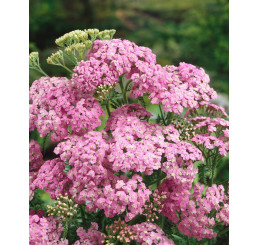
<point>163,119</point>
<point>39,70</point>
<point>66,229</point>
<point>66,68</point>
<point>123,89</point>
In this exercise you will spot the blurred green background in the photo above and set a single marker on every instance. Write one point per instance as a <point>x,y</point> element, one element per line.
<point>193,31</point>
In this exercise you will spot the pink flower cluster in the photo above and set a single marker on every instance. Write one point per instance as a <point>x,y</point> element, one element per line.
<point>145,233</point>
<point>194,220</point>
<point>128,110</point>
<point>86,154</point>
<point>174,87</point>
<point>58,105</point>
<point>52,178</point>
<point>106,170</point>
<point>210,141</point>
<point>35,156</point>
<point>205,108</point>
<point>109,59</point>
<point>32,177</point>
<point>177,199</point>
<point>91,170</point>
<point>92,236</point>
<point>149,233</point>
<point>45,231</point>
<point>185,86</point>
<point>36,161</point>
<point>179,164</point>
<point>136,145</point>
<point>131,193</point>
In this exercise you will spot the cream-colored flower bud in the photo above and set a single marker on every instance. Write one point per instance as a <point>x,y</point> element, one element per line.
<point>55,58</point>
<point>33,59</point>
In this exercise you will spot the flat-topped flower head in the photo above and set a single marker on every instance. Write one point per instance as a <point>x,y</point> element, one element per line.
<point>184,86</point>
<point>109,59</point>
<point>58,105</point>
<point>52,178</point>
<point>128,110</point>
<point>136,145</point>
<point>45,230</point>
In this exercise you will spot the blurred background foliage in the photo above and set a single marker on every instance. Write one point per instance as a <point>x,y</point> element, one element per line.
<point>193,31</point>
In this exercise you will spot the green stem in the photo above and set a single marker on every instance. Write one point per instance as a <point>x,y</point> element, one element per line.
<point>43,71</point>
<point>158,177</point>
<point>122,89</point>
<point>161,178</point>
<point>107,104</point>
<point>44,145</point>
<point>162,221</point>
<point>214,165</point>
<point>107,107</point>
<point>66,226</point>
<point>224,231</point>
<point>163,119</point>
<point>128,83</point>
<point>66,68</point>
<point>75,62</point>
<point>188,241</point>
<point>83,216</point>
<point>39,70</point>
<point>213,172</point>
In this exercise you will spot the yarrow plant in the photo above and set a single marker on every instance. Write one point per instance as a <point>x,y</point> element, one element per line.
<point>117,173</point>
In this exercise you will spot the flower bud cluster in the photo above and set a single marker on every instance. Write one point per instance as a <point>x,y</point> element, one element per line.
<point>72,37</point>
<point>64,207</point>
<point>81,48</point>
<point>119,231</point>
<point>185,129</point>
<point>102,91</point>
<point>106,34</point>
<point>77,41</point>
<point>56,58</point>
<point>154,206</point>
<point>34,59</point>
